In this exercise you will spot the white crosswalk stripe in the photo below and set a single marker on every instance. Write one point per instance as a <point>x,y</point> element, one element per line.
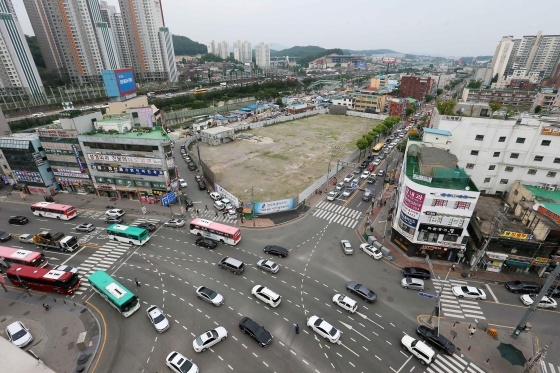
<point>452,364</point>
<point>548,367</point>
<point>452,306</point>
<point>337,214</point>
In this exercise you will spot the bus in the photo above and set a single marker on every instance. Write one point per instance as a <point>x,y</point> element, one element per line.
<point>131,235</point>
<point>44,279</point>
<point>199,91</point>
<point>377,148</point>
<point>216,231</point>
<point>125,301</point>
<point>54,210</point>
<point>23,257</point>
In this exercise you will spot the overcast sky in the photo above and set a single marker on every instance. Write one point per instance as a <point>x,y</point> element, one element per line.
<point>436,27</point>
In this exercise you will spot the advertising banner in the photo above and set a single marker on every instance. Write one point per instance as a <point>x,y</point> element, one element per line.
<point>122,159</point>
<point>439,229</point>
<point>411,222</point>
<point>125,81</point>
<point>263,208</point>
<point>413,199</point>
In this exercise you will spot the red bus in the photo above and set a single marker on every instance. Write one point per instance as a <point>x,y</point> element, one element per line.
<point>24,257</point>
<point>216,231</point>
<point>54,210</point>
<point>44,279</point>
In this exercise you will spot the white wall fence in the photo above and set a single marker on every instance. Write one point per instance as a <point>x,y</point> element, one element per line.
<point>271,121</point>
<point>366,115</point>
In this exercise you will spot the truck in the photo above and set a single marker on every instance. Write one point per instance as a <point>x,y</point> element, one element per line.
<point>57,241</point>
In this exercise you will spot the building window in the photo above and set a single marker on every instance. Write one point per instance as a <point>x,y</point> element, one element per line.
<point>470,165</point>
<point>479,137</point>
<point>556,160</point>
<point>474,152</point>
<point>502,139</point>
<point>545,143</point>
<point>504,181</point>
<point>492,167</point>
<point>531,171</point>
<point>486,180</point>
<point>496,154</point>
<point>551,174</point>
<point>538,158</point>
<point>509,169</point>
<point>514,155</point>
<point>520,140</point>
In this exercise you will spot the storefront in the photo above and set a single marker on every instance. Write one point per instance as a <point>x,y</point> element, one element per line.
<point>447,253</point>
<point>517,264</point>
<point>76,185</point>
<point>493,262</point>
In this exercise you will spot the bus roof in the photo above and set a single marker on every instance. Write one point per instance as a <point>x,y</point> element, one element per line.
<point>216,226</point>
<point>28,271</point>
<point>110,287</point>
<point>10,252</point>
<point>52,205</point>
<point>126,228</point>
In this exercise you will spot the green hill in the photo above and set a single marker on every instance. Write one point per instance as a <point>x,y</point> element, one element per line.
<point>184,46</point>
<point>297,51</point>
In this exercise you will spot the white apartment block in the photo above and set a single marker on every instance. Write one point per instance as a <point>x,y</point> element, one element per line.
<point>105,38</point>
<point>496,153</point>
<point>166,43</point>
<point>262,55</point>
<point>113,18</point>
<point>211,46</point>
<point>242,51</point>
<point>223,50</point>
<point>18,71</point>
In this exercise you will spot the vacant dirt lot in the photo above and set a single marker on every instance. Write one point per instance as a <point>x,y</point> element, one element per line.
<point>283,159</point>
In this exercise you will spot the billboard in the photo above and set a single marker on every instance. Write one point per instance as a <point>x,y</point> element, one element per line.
<point>263,208</point>
<point>119,82</point>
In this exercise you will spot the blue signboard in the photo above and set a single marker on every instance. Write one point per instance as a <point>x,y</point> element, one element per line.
<point>262,208</point>
<point>110,83</point>
<point>411,222</point>
<point>125,81</point>
<point>168,198</point>
<point>426,295</point>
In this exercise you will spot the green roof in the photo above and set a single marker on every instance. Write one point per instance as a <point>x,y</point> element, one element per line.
<point>444,178</point>
<point>157,133</point>
<point>548,198</point>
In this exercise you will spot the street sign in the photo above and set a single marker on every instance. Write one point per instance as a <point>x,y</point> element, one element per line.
<point>354,185</point>
<point>430,296</point>
<point>168,198</point>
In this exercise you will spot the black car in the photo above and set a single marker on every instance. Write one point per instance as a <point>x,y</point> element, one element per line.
<point>198,178</point>
<point>276,250</point>
<point>4,236</point>
<point>362,291</point>
<point>431,336</point>
<point>18,220</point>
<point>191,166</point>
<point>149,226</point>
<point>256,331</point>
<point>188,202</point>
<point>553,292</point>
<point>527,287</point>
<point>201,185</point>
<point>416,272</point>
<point>206,242</point>
<point>365,163</point>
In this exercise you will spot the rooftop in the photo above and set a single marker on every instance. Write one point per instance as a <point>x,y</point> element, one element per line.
<point>548,198</point>
<point>150,133</point>
<point>436,131</point>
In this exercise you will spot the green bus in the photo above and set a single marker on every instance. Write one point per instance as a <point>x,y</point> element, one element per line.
<point>125,301</point>
<point>131,235</point>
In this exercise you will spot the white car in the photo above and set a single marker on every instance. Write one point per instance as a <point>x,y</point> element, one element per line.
<point>226,203</point>
<point>546,302</point>
<point>116,213</point>
<point>180,364</point>
<point>219,205</point>
<point>209,339</point>
<point>210,296</point>
<point>158,319</point>
<point>26,238</point>
<point>215,196</point>
<point>469,292</point>
<point>324,329</point>
<point>346,247</point>
<point>339,186</point>
<point>349,178</point>
<point>85,227</point>
<point>365,174</point>
<point>18,334</point>
<point>266,295</point>
<point>372,251</point>
<point>347,192</point>
<point>174,223</point>
<point>332,195</point>
<point>268,265</point>
<point>345,302</point>
<point>182,183</point>
<point>380,173</point>
<point>412,283</point>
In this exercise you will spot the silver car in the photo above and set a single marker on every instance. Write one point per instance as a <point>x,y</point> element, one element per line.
<point>412,283</point>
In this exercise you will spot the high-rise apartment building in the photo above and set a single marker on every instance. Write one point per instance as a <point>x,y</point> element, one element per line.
<point>242,51</point>
<point>18,72</point>
<point>212,49</point>
<point>262,55</point>
<point>72,37</point>
<point>148,39</point>
<point>113,18</point>
<point>223,50</point>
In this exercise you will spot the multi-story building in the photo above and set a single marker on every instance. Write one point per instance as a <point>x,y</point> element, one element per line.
<point>262,55</point>
<point>148,40</point>
<point>242,51</point>
<point>497,152</point>
<point>397,106</point>
<point>346,100</point>
<point>484,74</point>
<point>72,38</point>
<point>223,50</point>
<point>212,48</point>
<point>513,98</point>
<point>28,167</point>
<point>415,86</point>
<point>435,200</point>
<point>113,18</point>
<point>370,101</point>
<point>502,56</point>
<point>547,100</point>
<point>18,72</point>
<point>127,161</point>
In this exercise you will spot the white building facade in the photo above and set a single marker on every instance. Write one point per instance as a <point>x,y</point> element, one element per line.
<point>262,55</point>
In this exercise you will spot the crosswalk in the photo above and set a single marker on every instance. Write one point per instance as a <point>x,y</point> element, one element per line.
<point>337,214</point>
<point>446,363</point>
<point>103,259</point>
<point>451,306</point>
<point>549,368</point>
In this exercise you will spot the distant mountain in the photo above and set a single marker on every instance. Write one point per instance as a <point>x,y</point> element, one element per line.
<point>184,46</point>
<point>297,51</point>
<point>276,47</point>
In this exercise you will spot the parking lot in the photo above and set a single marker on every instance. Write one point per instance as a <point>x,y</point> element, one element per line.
<point>280,161</point>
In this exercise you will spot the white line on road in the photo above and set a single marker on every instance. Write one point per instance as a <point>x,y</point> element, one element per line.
<point>492,293</point>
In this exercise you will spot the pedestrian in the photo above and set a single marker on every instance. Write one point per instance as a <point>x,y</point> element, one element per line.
<point>216,214</point>
<point>453,267</point>
<point>136,281</point>
<point>44,306</point>
<point>384,202</point>
<point>472,331</point>
<point>47,307</point>
<point>197,212</point>
<point>205,207</point>
<point>297,329</point>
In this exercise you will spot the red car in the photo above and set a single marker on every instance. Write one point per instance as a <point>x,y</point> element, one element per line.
<point>371,167</point>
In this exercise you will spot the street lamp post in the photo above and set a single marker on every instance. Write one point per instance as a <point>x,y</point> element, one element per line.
<point>333,154</point>
<point>22,282</point>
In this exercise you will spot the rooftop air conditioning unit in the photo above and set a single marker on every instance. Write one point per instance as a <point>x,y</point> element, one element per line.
<point>551,188</point>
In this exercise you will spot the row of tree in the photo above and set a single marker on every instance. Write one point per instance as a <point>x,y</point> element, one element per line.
<point>368,139</point>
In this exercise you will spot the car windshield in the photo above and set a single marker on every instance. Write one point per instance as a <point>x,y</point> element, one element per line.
<point>199,340</point>
<point>159,318</point>
<point>184,365</point>
<point>333,331</point>
<point>211,293</point>
<point>20,333</point>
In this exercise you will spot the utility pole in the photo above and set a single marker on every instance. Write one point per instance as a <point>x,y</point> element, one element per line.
<point>541,354</point>
<point>482,251</point>
<point>253,202</point>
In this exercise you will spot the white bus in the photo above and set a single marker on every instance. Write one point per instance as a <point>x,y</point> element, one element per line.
<point>54,210</point>
<point>216,231</point>
<point>130,235</point>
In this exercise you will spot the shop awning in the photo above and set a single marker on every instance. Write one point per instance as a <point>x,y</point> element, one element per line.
<point>515,263</point>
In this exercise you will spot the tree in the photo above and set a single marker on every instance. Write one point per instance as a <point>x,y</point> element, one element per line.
<point>445,107</point>
<point>495,106</point>
<point>510,113</point>
<point>494,79</point>
<point>475,84</point>
<point>362,144</point>
<point>428,97</point>
<point>409,111</point>
<point>447,87</point>
<point>538,109</point>
<point>439,91</point>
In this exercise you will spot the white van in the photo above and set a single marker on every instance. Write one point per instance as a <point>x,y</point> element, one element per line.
<point>419,349</point>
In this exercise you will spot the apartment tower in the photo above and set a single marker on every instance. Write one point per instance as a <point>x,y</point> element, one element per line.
<point>262,55</point>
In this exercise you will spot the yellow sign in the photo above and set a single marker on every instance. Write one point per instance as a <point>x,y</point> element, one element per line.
<point>551,131</point>
<point>541,260</point>
<point>517,235</point>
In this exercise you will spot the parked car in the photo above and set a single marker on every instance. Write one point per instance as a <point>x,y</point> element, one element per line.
<point>372,251</point>
<point>416,272</point>
<point>256,331</point>
<point>191,166</point>
<point>276,250</point>
<point>218,205</point>
<point>182,183</point>
<point>18,220</point>
<point>18,334</point>
<point>436,339</point>
<point>380,173</point>
<point>188,202</point>
<point>362,291</point>
<point>215,196</point>
<point>545,302</point>
<point>523,287</point>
